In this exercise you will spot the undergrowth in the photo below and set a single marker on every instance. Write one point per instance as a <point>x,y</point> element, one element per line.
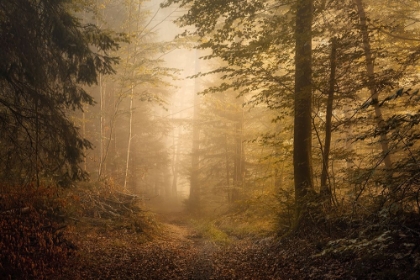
<point>32,240</point>
<point>243,220</point>
<point>206,228</point>
<point>40,226</point>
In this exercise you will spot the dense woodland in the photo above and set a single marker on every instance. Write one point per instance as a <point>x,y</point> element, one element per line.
<point>282,146</point>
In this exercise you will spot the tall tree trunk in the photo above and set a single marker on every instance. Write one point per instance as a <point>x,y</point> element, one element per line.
<point>302,134</point>
<point>130,137</point>
<point>84,137</point>
<point>194,182</point>
<point>228,178</point>
<point>130,123</point>
<point>325,190</point>
<point>349,135</point>
<point>175,161</point>
<point>374,93</point>
<point>278,170</point>
<point>37,167</point>
<point>177,150</point>
<point>102,89</point>
<point>194,197</point>
<point>111,136</point>
<point>302,152</point>
<point>102,120</point>
<point>239,159</point>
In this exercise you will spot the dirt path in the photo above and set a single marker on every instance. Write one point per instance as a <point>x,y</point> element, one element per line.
<point>181,253</point>
<point>178,253</point>
<point>203,250</point>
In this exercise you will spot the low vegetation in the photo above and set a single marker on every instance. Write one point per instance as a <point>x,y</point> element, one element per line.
<point>293,154</point>
<point>58,233</point>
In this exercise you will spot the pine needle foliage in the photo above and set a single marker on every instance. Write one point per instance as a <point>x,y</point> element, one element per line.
<point>46,58</point>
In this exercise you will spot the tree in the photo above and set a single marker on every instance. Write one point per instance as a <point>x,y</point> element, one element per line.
<point>390,53</point>
<point>266,47</point>
<point>372,84</point>
<point>325,191</point>
<point>256,41</point>
<point>195,188</point>
<point>130,99</point>
<point>302,146</point>
<point>47,56</point>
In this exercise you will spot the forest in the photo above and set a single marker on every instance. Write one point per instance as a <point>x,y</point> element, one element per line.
<point>209,139</point>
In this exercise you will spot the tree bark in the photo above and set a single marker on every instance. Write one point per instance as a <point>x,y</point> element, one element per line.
<point>302,152</point>
<point>325,190</point>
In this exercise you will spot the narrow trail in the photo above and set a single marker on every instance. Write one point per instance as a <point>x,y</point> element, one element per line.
<point>203,249</point>
<point>178,252</point>
<point>175,249</point>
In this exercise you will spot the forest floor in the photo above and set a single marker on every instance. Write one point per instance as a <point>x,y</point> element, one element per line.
<point>181,252</point>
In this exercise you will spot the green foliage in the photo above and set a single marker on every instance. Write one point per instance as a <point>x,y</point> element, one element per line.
<point>47,56</point>
<point>375,56</point>
<point>253,222</point>
<point>255,42</point>
<point>207,229</point>
<point>253,46</point>
<point>398,187</point>
<point>140,78</point>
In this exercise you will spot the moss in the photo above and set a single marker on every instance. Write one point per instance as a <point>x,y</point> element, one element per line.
<point>207,229</point>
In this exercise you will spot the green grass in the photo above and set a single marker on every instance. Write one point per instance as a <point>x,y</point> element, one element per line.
<point>207,229</point>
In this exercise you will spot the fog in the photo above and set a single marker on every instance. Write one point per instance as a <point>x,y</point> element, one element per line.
<point>276,140</point>
<point>179,108</point>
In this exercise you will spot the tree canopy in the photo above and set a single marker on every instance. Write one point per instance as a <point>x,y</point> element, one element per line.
<point>277,54</point>
<point>47,57</point>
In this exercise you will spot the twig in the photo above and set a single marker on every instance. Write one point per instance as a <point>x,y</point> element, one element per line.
<point>412,230</point>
